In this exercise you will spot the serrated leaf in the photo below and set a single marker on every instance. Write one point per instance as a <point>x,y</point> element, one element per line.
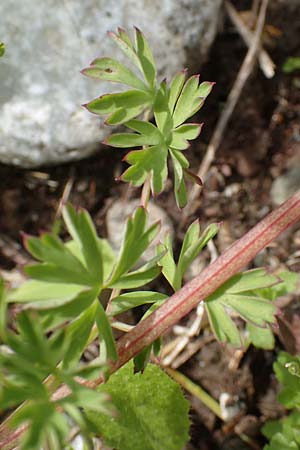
<point>109,69</point>
<point>145,57</point>
<point>153,413</point>
<point>284,433</point>
<point>152,160</point>
<point>129,300</point>
<point>120,107</point>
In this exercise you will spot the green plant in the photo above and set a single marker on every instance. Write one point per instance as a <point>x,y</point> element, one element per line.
<point>75,290</point>
<point>284,433</point>
<point>2,49</point>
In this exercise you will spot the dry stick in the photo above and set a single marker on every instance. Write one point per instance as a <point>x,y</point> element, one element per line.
<point>234,95</point>
<point>265,62</point>
<point>234,259</point>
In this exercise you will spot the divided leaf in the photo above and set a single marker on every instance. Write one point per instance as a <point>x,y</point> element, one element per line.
<point>236,296</point>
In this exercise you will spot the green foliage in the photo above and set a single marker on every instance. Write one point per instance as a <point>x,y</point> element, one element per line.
<point>285,433</point>
<point>2,49</point>
<point>171,104</point>
<point>238,295</point>
<point>291,64</point>
<point>28,358</point>
<point>152,411</point>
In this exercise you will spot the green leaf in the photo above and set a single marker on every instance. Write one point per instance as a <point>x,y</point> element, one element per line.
<point>3,311</point>
<point>120,107</point>
<point>152,160</point>
<point>291,64</point>
<point>194,241</point>
<point>124,302</point>
<point>2,49</point>
<point>184,133</point>
<point>78,333</point>
<point>175,88</point>
<point>283,434</point>
<point>136,240</point>
<point>107,343</point>
<point>188,102</point>
<point>48,294</point>
<point>289,395</point>
<point>179,184</point>
<point>137,278</point>
<point>153,413</point>
<point>149,135</point>
<point>235,295</point>
<point>82,229</point>
<point>162,112</point>
<point>109,69</point>
<point>167,262</point>
<point>145,57</point>
<point>261,337</point>
<point>124,42</point>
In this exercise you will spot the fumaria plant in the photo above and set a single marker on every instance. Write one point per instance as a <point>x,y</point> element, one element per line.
<point>77,289</point>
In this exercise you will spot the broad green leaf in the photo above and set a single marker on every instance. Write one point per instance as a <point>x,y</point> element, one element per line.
<point>111,70</point>
<point>149,134</point>
<point>153,413</point>
<point>51,273</point>
<point>151,160</point>
<point>175,89</point>
<point>260,337</point>
<point>254,309</point>
<point>108,350</point>
<point>250,281</point>
<point>145,57</point>
<point>82,229</point>
<point>120,107</point>
<point>130,300</point>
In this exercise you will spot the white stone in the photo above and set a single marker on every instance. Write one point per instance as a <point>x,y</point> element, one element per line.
<point>47,44</point>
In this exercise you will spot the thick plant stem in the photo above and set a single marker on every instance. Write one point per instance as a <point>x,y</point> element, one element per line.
<point>234,259</point>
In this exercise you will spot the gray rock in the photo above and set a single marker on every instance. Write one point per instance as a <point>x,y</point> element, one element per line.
<point>48,42</point>
<point>285,185</point>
